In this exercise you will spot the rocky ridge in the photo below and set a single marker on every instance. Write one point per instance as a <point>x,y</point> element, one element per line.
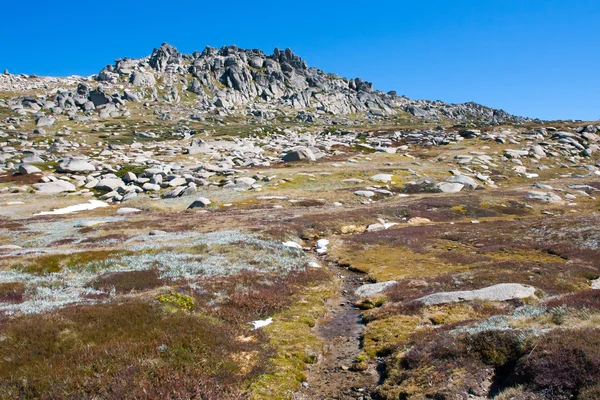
<point>230,80</point>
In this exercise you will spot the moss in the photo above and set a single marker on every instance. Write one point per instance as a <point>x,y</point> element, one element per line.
<point>370,302</point>
<point>181,301</point>
<point>296,344</point>
<point>92,260</point>
<point>449,313</point>
<point>459,209</point>
<point>384,335</point>
<point>384,262</point>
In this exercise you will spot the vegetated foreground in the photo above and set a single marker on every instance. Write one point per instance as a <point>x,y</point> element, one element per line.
<point>231,225</point>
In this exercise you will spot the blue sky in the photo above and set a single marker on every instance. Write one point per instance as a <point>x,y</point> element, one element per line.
<point>537,58</point>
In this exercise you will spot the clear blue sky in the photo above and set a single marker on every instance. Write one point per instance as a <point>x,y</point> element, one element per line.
<point>538,58</point>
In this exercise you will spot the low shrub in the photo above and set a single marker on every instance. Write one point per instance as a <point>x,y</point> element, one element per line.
<point>585,299</point>
<point>127,281</point>
<point>179,300</point>
<point>12,292</point>
<point>132,350</point>
<point>563,364</point>
<point>248,296</point>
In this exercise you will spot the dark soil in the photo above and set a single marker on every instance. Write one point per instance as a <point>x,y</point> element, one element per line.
<point>333,377</point>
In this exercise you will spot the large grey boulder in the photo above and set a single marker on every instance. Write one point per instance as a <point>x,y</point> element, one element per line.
<point>26,169</point>
<point>464,180</point>
<point>148,187</point>
<point>74,165</point>
<point>177,182</point>
<point>45,121</point>
<point>299,153</point>
<point>244,182</point>
<point>129,177</point>
<point>54,187</point>
<point>449,187</point>
<point>110,184</point>
<point>500,292</point>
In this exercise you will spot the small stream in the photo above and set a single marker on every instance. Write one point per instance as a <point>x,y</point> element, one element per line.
<point>342,330</point>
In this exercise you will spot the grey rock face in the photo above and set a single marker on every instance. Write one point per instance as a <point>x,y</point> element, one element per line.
<point>163,56</point>
<point>142,79</point>
<point>231,78</point>
<point>99,98</point>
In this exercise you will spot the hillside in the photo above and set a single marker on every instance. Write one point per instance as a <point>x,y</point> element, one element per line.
<point>234,225</point>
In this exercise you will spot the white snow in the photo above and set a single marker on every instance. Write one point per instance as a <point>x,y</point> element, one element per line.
<point>92,204</point>
<point>293,245</point>
<point>322,246</point>
<point>260,323</point>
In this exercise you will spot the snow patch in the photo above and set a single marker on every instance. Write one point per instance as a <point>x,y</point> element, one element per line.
<point>260,323</point>
<point>92,204</point>
<point>292,245</point>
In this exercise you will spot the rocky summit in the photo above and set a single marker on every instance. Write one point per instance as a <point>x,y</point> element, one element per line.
<point>231,80</point>
<point>229,224</point>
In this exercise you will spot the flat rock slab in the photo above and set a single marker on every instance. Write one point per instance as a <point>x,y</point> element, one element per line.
<point>373,288</point>
<point>364,193</point>
<point>54,187</point>
<point>501,292</point>
<point>382,178</point>
<point>73,165</point>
